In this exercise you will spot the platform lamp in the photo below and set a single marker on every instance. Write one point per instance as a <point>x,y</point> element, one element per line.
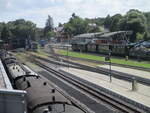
<point>108,58</point>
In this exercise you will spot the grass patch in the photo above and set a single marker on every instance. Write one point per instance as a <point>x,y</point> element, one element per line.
<point>39,53</point>
<point>99,58</point>
<point>21,56</point>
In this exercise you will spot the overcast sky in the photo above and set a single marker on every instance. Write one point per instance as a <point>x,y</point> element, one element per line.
<point>61,10</point>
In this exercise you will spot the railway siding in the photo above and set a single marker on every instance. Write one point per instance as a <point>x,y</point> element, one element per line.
<point>138,105</point>
<point>116,74</point>
<point>92,105</point>
<point>132,102</point>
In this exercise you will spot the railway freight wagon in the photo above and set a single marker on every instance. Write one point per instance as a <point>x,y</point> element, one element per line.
<point>42,96</point>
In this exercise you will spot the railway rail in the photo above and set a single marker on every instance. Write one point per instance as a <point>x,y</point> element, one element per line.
<point>116,74</point>
<point>114,102</point>
<point>103,62</point>
<point>52,52</point>
<point>47,98</point>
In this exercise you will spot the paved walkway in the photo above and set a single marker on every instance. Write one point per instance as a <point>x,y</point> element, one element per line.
<point>140,73</point>
<point>142,95</point>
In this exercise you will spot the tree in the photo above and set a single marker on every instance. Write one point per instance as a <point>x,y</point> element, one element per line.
<point>92,27</point>
<point>51,34</point>
<point>134,20</point>
<point>114,26</point>
<point>147,15</point>
<point>146,36</point>
<point>98,21</point>
<point>18,32</point>
<point>139,36</point>
<point>76,25</point>
<point>6,34</point>
<point>22,29</point>
<point>1,27</point>
<point>107,22</point>
<point>49,26</point>
<point>60,25</point>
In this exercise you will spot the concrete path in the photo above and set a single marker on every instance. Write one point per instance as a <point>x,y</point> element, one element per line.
<point>142,95</point>
<point>140,73</point>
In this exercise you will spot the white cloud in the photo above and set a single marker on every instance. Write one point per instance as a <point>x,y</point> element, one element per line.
<point>61,10</point>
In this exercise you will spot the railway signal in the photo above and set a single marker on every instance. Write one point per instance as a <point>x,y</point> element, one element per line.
<point>108,58</point>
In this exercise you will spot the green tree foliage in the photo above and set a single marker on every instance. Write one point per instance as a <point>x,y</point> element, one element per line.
<point>2,24</point>
<point>76,25</point>
<point>146,36</point>
<point>6,34</point>
<point>98,21</point>
<point>22,29</point>
<point>93,28</point>
<point>107,22</point>
<point>51,34</point>
<point>60,25</point>
<point>134,20</point>
<point>49,26</point>
<point>114,26</point>
<point>147,15</point>
<point>18,30</point>
<point>139,36</point>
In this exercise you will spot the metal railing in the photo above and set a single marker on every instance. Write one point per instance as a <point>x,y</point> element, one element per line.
<point>12,101</point>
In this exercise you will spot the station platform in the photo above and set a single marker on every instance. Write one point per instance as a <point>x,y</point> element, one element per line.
<point>121,87</point>
<point>4,80</point>
<point>139,73</point>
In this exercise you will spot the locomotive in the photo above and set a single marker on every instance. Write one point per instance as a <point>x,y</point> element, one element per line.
<point>115,42</point>
<point>42,97</point>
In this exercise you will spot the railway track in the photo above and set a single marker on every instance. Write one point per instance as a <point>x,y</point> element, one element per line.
<point>103,62</point>
<point>53,54</point>
<point>116,103</point>
<point>116,74</point>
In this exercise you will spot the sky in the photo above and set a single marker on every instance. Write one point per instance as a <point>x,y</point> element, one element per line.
<point>37,11</point>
